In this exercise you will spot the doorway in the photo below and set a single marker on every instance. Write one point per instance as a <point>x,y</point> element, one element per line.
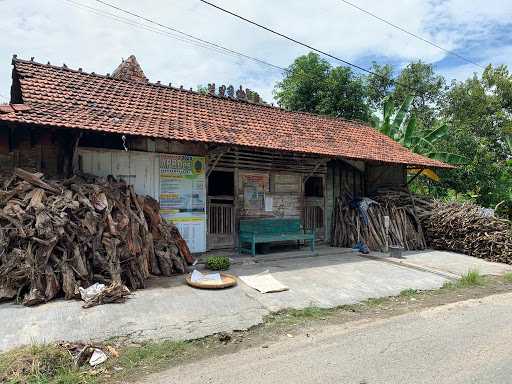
<point>314,201</point>
<point>221,210</point>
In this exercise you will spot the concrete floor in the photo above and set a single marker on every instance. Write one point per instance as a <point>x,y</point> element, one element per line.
<point>455,263</point>
<point>333,280</point>
<point>170,309</point>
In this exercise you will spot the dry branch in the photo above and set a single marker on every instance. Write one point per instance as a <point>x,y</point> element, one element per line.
<point>466,228</point>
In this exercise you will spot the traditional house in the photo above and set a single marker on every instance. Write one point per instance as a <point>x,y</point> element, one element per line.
<point>210,160</point>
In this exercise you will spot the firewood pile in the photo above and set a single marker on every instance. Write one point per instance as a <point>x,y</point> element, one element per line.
<point>417,222</point>
<point>353,224</point>
<point>466,228</point>
<point>57,236</point>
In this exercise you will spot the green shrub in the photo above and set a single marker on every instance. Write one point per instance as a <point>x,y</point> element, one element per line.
<point>218,263</point>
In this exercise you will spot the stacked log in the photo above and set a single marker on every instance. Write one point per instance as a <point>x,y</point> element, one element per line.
<point>57,236</point>
<point>417,222</point>
<point>350,225</point>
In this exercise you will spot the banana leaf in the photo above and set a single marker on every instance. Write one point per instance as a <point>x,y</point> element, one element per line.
<point>437,133</point>
<point>385,127</point>
<point>408,133</point>
<point>447,157</point>
<point>508,140</point>
<point>402,113</point>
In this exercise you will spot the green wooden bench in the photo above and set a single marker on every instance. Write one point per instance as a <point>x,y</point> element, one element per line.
<point>255,231</point>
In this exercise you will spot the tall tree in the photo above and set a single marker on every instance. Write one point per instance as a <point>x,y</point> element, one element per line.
<point>427,87</point>
<point>480,111</point>
<point>303,85</point>
<point>311,84</point>
<point>344,95</point>
<point>417,79</point>
<point>379,85</point>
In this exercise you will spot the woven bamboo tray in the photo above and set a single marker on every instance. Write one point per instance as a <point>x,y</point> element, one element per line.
<point>227,281</point>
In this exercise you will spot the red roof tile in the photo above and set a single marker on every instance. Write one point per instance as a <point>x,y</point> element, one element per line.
<point>62,97</point>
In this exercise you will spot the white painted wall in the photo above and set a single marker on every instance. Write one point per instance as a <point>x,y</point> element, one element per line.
<point>140,169</point>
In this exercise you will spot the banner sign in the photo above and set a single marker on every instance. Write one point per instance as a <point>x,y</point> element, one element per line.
<point>183,197</point>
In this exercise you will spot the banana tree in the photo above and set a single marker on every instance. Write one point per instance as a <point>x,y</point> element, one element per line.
<point>400,124</point>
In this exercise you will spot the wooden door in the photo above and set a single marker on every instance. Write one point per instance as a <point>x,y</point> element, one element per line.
<point>314,205</point>
<point>221,223</point>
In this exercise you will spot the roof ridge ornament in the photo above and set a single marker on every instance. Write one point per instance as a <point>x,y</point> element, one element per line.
<point>130,70</point>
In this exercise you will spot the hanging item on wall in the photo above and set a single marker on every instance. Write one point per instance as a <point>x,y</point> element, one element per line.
<point>183,197</point>
<point>254,186</point>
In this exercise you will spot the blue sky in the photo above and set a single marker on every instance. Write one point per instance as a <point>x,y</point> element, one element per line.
<point>61,32</point>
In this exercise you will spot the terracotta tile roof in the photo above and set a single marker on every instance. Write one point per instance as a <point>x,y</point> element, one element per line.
<point>62,97</point>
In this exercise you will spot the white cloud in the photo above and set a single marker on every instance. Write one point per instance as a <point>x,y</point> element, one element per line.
<point>56,31</point>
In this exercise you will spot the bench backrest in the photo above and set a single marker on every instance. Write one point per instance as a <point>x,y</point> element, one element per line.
<point>271,226</point>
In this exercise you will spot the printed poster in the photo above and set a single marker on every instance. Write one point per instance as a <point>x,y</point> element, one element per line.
<point>183,197</point>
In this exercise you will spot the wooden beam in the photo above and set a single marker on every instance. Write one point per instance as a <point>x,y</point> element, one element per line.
<point>323,161</point>
<point>218,150</point>
<point>415,176</point>
<point>210,169</point>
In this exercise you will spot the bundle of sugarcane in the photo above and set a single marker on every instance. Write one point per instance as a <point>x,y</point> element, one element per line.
<point>58,236</point>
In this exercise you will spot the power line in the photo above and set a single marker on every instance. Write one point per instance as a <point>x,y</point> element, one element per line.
<point>412,34</point>
<point>287,37</point>
<point>217,47</point>
<point>392,81</point>
<point>240,54</point>
<point>136,24</point>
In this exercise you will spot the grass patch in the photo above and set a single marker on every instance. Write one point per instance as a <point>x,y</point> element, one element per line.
<point>151,354</point>
<point>52,364</point>
<point>46,364</point>
<point>449,285</point>
<point>508,277</point>
<point>294,316</point>
<point>374,302</point>
<point>409,292</point>
<point>472,278</point>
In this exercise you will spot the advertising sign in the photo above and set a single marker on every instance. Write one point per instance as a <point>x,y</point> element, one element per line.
<point>183,197</point>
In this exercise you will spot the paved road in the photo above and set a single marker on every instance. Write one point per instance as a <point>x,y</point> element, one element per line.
<point>467,342</point>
